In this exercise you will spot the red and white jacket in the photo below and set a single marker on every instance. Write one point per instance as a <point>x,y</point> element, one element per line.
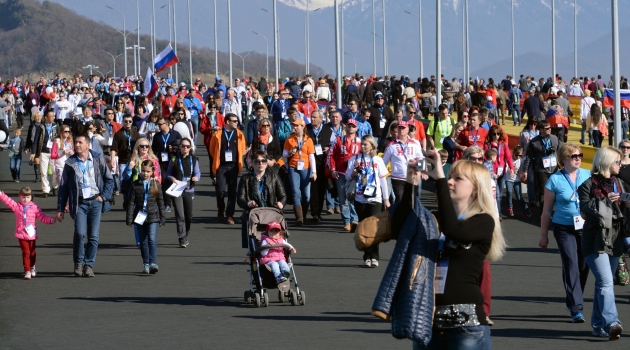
<point>400,154</point>
<point>340,152</point>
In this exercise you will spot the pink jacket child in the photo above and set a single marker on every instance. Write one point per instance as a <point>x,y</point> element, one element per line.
<point>26,213</point>
<point>274,257</point>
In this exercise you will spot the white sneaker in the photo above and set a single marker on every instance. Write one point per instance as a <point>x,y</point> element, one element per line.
<point>33,271</point>
<point>27,275</point>
<point>367,263</point>
<point>374,263</point>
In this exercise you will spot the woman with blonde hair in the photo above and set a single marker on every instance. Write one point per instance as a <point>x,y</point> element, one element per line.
<point>62,149</point>
<point>602,237</point>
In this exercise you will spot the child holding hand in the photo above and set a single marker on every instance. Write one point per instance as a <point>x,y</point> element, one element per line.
<point>26,212</point>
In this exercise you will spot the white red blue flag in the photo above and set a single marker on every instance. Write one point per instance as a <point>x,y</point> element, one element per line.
<point>609,98</point>
<point>150,85</point>
<point>165,59</point>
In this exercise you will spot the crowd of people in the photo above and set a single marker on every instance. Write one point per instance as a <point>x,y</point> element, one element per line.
<point>102,142</point>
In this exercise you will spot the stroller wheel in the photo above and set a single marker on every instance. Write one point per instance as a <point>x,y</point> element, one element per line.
<point>302,298</point>
<point>293,298</point>
<point>281,296</point>
<point>248,297</point>
<point>256,300</point>
<point>266,301</point>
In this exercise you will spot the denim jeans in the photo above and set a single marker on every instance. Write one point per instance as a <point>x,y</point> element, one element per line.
<point>195,124</point>
<point>15,165</point>
<point>348,213</point>
<point>278,268</point>
<point>87,222</point>
<point>574,267</point>
<point>331,203</point>
<point>624,129</point>
<point>501,184</point>
<point>460,338</point>
<point>301,185</point>
<point>583,134</point>
<point>604,313</point>
<point>148,241</point>
<point>516,115</point>
<point>515,187</point>
<point>532,188</point>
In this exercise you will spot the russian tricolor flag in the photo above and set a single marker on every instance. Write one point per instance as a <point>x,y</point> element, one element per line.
<point>150,85</point>
<point>165,59</point>
<point>609,98</point>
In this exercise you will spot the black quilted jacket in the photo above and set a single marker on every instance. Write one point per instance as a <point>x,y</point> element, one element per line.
<point>155,206</point>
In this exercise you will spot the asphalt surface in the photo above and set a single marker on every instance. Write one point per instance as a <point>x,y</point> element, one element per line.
<point>196,299</point>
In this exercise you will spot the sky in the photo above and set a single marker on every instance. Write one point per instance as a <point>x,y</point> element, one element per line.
<point>489,32</point>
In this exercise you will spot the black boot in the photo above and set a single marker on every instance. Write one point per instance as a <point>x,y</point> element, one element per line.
<point>37,173</point>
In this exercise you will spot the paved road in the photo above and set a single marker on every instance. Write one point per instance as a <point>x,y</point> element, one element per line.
<point>195,301</point>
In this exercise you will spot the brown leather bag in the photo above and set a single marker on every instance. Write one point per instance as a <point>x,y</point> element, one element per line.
<point>373,230</point>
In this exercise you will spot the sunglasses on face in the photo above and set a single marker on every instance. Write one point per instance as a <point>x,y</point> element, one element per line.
<point>547,128</point>
<point>496,133</point>
<point>624,147</point>
<point>181,113</point>
<point>127,121</point>
<point>266,126</point>
<point>233,121</point>
<point>143,146</point>
<point>109,113</point>
<point>476,159</point>
<point>518,155</point>
<point>577,156</point>
<point>260,161</point>
<point>184,146</point>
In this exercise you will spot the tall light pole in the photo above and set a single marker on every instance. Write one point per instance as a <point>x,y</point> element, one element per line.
<point>267,46</point>
<point>385,55</point>
<point>343,47</point>
<point>464,44</point>
<point>90,66</point>
<point>617,75</point>
<point>153,25</point>
<point>308,37</point>
<point>230,38</point>
<point>374,38</point>
<point>355,61</point>
<point>337,55</point>
<point>113,59</point>
<point>467,49</point>
<point>170,29</point>
<point>216,50</point>
<point>123,33</point>
<point>553,40</point>
<point>175,40</point>
<point>513,64</point>
<point>138,12</point>
<point>276,41</point>
<point>243,58</point>
<point>190,45</point>
<point>575,55</point>
<point>419,34</point>
<point>438,51</point>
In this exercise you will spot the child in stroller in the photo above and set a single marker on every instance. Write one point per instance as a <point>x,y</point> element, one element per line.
<point>274,257</point>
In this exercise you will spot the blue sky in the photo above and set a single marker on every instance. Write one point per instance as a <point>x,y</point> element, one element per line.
<point>489,23</point>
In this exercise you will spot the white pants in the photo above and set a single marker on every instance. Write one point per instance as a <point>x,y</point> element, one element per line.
<point>58,165</point>
<point>44,162</point>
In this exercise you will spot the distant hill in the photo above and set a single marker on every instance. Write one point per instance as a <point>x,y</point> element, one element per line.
<point>45,38</point>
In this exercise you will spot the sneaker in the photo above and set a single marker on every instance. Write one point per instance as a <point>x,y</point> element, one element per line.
<point>510,212</point>
<point>153,269</point>
<point>27,275</point>
<point>367,263</point>
<point>183,243</point>
<point>33,271</point>
<point>17,181</point>
<point>146,268</point>
<point>614,333</point>
<point>330,211</point>
<point>347,228</point>
<point>489,321</point>
<point>337,211</point>
<point>374,263</point>
<point>282,279</point>
<point>78,270</point>
<point>167,209</point>
<point>600,333</point>
<point>287,274</point>
<point>577,318</point>
<point>87,271</point>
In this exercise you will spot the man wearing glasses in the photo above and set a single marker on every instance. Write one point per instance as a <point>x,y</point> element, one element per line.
<point>252,126</point>
<point>227,149</point>
<point>381,114</point>
<point>168,102</point>
<point>280,107</point>
<point>306,106</point>
<point>122,145</point>
<point>321,135</point>
<point>164,146</point>
<point>542,151</point>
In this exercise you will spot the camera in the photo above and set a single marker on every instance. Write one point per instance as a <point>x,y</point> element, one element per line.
<point>422,165</point>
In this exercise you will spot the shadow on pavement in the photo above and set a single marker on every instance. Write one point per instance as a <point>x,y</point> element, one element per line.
<point>547,334</point>
<point>534,250</point>
<point>231,302</point>
<point>366,318</point>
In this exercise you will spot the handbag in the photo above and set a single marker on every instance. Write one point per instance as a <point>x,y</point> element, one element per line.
<point>373,230</point>
<point>350,187</point>
<point>54,153</point>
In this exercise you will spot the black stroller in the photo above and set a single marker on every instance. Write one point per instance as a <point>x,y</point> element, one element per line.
<point>261,277</point>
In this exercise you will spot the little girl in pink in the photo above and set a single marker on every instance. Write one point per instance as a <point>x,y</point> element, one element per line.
<point>26,212</point>
<point>274,257</point>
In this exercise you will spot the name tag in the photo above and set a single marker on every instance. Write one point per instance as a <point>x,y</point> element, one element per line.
<point>110,141</point>
<point>442,140</point>
<point>499,172</point>
<point>550,161</point>
<point>34,102</point>
<point>140,218</point>
<point>559,125</point>
<point>578,222</point>
<point>49,144</point>
<point>284,115</point>
<point>164,156</point>
<point>30,230</point>
<point>86,191</point>
<point>440,276</point>
<point>382,123</point>
<point>228,156</point>
<point>370,191</point>
<point>318,150</point>
<point>300,165</point>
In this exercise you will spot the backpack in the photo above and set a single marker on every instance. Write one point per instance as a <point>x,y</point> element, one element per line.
<point>515,99</point>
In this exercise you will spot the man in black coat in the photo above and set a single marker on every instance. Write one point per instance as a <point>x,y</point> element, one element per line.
<point>321,135</point>
<point>380,114</point>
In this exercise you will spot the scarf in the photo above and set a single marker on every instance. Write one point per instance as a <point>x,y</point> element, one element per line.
<point>264,139</point>
<point>603,186</point>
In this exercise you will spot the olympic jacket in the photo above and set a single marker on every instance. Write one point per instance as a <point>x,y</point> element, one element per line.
<point>215,149</point>
<point>33,212</point>
<point>406,294</point>
<point>340,153</point>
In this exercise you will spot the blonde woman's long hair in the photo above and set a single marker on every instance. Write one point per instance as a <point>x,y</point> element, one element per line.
<point>137,145</point>
<point>483,202</point>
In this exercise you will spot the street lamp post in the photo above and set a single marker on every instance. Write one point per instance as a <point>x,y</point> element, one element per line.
<point>175,40</point>
<point>355,61</point>
<point>113,59</point>
<point>216,50</point>
<point>373,38</point>
<point>308,37</point>
<point>90,66</point>
<point>276,42</point>
<point>138,12</point>
<point>553,40</point>
<point>243,58</point>
<point>385,54</point>
<point>153,25</point>
<point>123,33</point>
<point>337,55</point>
<point>438,51</point>
<point>267,47</point>
<point>230,38</point>
<point>467,64</point>
<point>419,33</point>
<point>618,134</point>
<point>343,47</point>
<point>190,45</point>
<point>170,29</point>
<point>575,55</point>
<point>513,64</point>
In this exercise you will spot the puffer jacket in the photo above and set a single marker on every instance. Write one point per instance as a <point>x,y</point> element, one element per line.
<point>406,294</point>
<point>155,206</point>
<point>33,212</point>
<point>248,190</point>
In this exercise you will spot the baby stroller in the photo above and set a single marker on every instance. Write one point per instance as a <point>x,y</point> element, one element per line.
<point>261,278</point>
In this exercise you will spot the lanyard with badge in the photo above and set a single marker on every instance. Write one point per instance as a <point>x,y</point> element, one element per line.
<point>382,119</point>
<point>86,190</point>
<point>442,263</point>
<point>181,168</point>
<point>548,161</point>
<point>337,131</point>
<point>474,136</point>
<point>404,148</point>
<point>30,229</point>
<point>142,215</point>
<point>164,153</point>
<point>300,163</point>
<point>499,169</point>
<point>128,137</point>
<point>228,152</point>
<point>49,130</point>
<point>110,129</point>
<point>367,178</point>
<point>284,109</point>
<point>578,222</point>
<point>442,132</point>
<point>318,148</point>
